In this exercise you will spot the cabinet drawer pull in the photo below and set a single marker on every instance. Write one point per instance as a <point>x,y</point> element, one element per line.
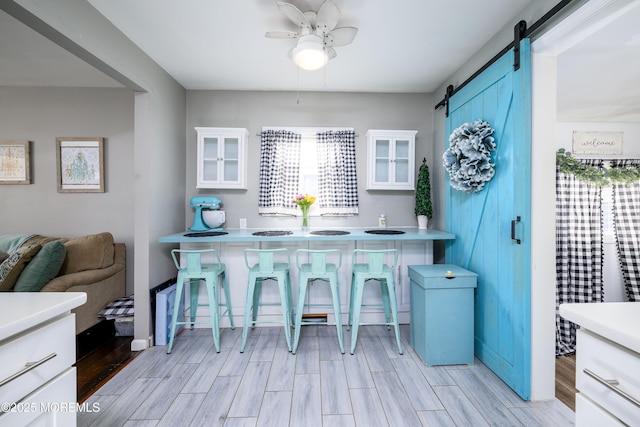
<point>27,367</point>
<point>611,385</point>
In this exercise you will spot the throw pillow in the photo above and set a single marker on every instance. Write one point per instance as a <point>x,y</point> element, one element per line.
<point>11,268</point>
<point>88,253</point>
<point>3,255</point>
<point>44,266</point>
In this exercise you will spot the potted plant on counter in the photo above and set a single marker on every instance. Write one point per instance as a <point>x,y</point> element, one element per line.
<point>423,209</point>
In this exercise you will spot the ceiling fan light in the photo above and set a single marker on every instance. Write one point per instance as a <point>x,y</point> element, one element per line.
<point>309,53</point>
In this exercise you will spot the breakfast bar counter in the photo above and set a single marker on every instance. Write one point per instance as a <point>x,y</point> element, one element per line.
<point>297,235</point>
<point>415,247</point>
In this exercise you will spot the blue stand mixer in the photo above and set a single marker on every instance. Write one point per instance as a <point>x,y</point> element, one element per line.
<point>200,203</point>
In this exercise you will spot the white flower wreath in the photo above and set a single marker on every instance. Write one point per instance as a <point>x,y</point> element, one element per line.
<point>468,158</point>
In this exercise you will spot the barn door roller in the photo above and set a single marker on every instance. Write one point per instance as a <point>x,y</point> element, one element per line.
<point>519,32</point>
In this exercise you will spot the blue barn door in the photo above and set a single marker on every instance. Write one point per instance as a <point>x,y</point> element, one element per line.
<point>492,226</point>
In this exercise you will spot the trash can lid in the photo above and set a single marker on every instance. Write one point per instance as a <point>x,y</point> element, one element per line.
<point>421,274</point>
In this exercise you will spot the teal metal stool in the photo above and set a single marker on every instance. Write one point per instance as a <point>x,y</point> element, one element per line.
<point>270,265</point>
<point>374,269</point>
<point>195,271</point>
<point>318,269</point>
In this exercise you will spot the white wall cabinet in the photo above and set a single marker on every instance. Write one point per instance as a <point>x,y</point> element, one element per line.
<point>391,159</point>
<point>221,157</point>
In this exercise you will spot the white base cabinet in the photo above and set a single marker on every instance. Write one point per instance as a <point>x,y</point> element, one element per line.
<point>608,381</point>
<point>232,254</point>
<point>37,354</point>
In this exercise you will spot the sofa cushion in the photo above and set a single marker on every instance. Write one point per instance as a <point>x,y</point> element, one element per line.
<point>88,253</point>
<point>3,255</point>
<point>11,268</point>
<point>43,267</point>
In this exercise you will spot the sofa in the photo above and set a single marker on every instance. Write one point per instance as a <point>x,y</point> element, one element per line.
<point>93,264</point>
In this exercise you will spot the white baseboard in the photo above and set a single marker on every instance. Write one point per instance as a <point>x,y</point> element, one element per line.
<point>139,345</point>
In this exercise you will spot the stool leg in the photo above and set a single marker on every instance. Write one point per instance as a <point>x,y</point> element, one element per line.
<point>286,310</point>
<point>227,299</point>
<point>335,294</point>
<point>194,290</point>
<point>384,291</point>
<point>176,309</point>
<point>352,293</point>
<point>256,301</point>
<point>302,292</point>
<point>391,292</point>
<point>247,310</point>
<point>212,292</point>
<point>289,298</point>
<point>356,303</point>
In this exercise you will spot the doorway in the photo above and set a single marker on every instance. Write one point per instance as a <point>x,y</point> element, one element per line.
<point>559,102</point>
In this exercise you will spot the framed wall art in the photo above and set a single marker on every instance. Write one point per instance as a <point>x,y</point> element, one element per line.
<point>80,165</point>
<point>15,162</point>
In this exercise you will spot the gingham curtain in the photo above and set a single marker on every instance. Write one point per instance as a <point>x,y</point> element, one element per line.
<point>578,250</point>
<point>337,179</point>
<point>279,172</point>
<point>626,214</point>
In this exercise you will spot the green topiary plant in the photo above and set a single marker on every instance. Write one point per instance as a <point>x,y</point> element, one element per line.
<point>423,192</point>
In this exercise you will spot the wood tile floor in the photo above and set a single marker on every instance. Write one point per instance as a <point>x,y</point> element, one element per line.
<point>267,386</point>
<point>566,380</point>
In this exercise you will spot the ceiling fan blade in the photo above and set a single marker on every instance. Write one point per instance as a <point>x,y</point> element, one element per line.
<point>294,14</point>
<point>311,17</point>
<point>328,15</point>
<point>281,35</point>
<point>331,52</point>
<point>341,36</point>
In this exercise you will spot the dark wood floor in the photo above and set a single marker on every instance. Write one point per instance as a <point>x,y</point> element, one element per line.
<point>100,355</point>
<point>566,380</point>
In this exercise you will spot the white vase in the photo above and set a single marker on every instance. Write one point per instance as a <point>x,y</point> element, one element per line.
<point>422,222</point>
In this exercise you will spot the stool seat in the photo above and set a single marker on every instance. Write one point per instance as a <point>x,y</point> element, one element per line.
<point>363,273</point>
<point>271,265</point>
<point>318,269</point>
<point>196,271</point>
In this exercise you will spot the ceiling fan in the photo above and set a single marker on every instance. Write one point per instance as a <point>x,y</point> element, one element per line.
<point>317,35</point>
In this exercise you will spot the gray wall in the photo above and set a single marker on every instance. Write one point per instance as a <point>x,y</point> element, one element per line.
<point>362,111</point>
<point>158,132</point>
<point>40,115</point>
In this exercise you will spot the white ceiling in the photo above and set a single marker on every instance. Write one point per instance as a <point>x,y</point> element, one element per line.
<point>401,46</point>
<point>599,76</point>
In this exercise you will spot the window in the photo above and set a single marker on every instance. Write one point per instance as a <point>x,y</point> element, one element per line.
<point>318,161</point>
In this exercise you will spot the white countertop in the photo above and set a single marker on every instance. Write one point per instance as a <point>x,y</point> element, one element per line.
<point>617,321</point>
<point>20,311</point>
<point>297,234</point>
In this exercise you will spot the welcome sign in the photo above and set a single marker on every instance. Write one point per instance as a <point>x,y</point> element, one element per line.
<point>597,142</point>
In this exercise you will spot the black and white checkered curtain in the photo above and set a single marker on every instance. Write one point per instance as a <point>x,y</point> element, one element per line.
<point>337,179</point>
<point>578,250</point>
<point>279,172</point>
<point>626,214</point>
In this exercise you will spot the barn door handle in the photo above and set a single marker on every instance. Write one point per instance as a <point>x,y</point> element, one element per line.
<point>513,229</point>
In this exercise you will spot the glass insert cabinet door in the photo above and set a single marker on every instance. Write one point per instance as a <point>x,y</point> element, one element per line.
<point>221,158</point>
<point>391,159</point>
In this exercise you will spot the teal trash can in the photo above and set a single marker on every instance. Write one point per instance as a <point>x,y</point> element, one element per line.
<point>441,329</point>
